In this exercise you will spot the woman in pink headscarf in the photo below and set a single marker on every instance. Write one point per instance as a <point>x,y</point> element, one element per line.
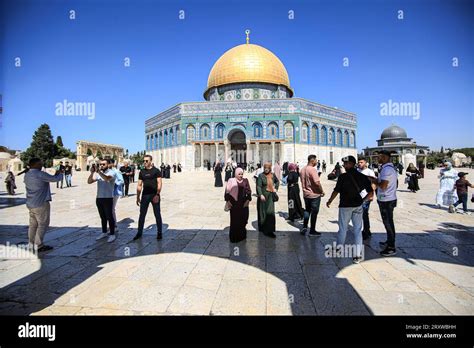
<point>238,195</point>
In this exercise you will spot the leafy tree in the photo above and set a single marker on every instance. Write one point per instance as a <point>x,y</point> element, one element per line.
<point>59,141</point>
<point>42,146</point>
<point>138,158</point>
<point>98,154</point>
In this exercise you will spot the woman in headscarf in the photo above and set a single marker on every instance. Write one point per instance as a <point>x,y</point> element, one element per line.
<point>337,170</point>
<point>412,173</point>
<point>228,171</point>
<point>238,194</point>
<point>277,170</point>
<point>267,185</point>
<point>295,209</point>
<point>447,194</point>
<point>10,183</point>
<point>218,175</point>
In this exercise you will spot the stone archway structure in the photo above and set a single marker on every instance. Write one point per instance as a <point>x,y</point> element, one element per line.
<point>83,147</point>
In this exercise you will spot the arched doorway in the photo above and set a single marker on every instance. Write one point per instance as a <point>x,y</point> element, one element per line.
<point>238,147</point>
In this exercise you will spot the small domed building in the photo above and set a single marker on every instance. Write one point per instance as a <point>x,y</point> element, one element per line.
<point>249,116</point>
<point>403,148</point>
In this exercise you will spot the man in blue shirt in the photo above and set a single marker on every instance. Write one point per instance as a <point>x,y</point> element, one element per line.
<point>118,187</point>
<point>105,197</point>
<point>38,196</point>
<point>387,200</point>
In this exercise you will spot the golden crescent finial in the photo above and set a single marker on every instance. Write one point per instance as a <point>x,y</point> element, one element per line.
<point>247,32</point>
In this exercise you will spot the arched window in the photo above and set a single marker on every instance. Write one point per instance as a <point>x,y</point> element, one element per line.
<point>190,134</point>
<point>352,139</point>
<point>324,135</point>
<point>314,134</point>
<point>177,135</point>
<point>272,130</point>
<point>289,131</point>
<point>331,136</point>
<point>219,131</point>
<point>171,137</point>
<point>339,137</point>
<point>304,132</point>
<point>257,130</point>
<point>346,139</point>
<point>205,132</point>
<point>166,138</point>
<point>155,142</point>
<point>147,143</point>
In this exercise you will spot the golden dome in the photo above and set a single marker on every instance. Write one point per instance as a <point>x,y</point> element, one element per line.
<point>248,63</point>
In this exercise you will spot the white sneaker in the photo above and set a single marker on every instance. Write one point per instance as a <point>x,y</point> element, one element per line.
<point>102,235</point>
<point>112,237</point>
<point>467,213</point>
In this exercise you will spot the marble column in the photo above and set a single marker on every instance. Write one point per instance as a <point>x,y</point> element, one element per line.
<point>248,152</point>
<point>273,153</point>
<point>217,151</point>
<point>256,155</point>
<point>202,156</point>
<point>226,150</point>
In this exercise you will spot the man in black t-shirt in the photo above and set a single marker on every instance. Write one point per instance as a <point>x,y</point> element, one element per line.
<point>126,173</point>
<point>149,188</point>
<point>354,188</point>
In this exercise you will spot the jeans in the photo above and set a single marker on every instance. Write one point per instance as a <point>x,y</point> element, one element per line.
<point>345,216</point>
<point>126,184</point>
<point>311,209</point>
<point>114,205</point>
<point>462,198</point>
<point>144,202</point>
<point>365,216</point>
<point>68,180</point>
<point>105,208</point>
<point>39,223</point>
<point>386,211</point>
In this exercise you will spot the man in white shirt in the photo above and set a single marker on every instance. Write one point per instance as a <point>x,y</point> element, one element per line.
<point>387,200</point>
<point>364,169</point>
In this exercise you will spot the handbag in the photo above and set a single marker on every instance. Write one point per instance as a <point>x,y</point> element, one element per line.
<point>407,179</point>
<point>275,197</point>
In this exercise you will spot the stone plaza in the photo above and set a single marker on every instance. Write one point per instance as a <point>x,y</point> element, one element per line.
<point>194,270</point>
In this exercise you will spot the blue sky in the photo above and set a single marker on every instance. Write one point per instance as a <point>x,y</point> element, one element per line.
<point>81,60</point>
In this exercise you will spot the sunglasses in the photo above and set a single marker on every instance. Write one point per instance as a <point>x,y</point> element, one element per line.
<point>147,161</point>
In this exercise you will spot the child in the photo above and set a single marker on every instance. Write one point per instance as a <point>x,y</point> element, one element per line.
<point>461,187</point>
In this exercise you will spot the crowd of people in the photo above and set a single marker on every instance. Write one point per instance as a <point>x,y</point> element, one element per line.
<point>113,183</point>
<point>358,184</point>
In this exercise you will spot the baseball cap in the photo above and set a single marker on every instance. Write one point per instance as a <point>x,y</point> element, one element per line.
<point>349,159</point>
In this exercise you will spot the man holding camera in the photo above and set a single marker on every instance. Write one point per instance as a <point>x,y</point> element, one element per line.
<point>105,197</point>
